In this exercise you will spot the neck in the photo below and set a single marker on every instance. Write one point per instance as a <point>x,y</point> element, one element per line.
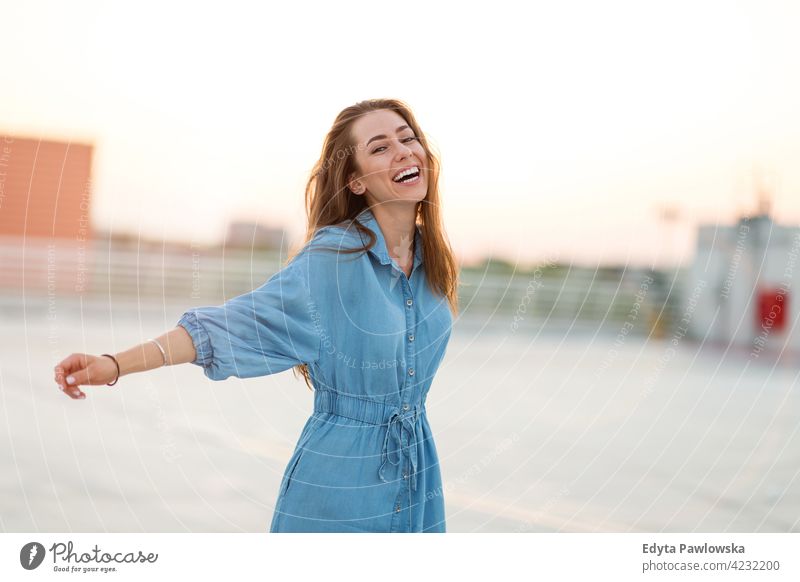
<point>398,225</point>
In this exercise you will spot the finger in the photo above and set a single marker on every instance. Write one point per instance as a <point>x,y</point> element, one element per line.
<point>61,375</point>
<point>76,378</point>
<point>72,363</point>
<point>90,375</point>
<point>72,391</point>
<point>61,380</point>
<point>75,393</point>
<point>66,362</point>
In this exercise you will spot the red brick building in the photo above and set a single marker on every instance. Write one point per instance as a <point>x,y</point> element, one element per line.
<point>45,225</point>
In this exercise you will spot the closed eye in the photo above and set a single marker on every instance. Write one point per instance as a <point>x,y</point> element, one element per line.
<point>405,140</point>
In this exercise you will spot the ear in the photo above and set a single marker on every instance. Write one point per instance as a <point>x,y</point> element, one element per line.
<point>355,185</point>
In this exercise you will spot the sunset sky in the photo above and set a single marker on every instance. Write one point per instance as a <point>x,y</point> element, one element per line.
<point>563,126</point>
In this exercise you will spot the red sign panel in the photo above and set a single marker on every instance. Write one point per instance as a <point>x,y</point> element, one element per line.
<point>773,305</point>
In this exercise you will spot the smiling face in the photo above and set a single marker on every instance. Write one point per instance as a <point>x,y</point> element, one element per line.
<point>390,160</point>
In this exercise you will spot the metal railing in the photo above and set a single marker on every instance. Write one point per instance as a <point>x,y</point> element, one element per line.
<point>152,278</point>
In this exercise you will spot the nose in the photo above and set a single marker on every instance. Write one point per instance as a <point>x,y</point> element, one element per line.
<point>403,150</point>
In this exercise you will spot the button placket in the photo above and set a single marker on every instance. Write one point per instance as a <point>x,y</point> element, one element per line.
<point>410,325</point>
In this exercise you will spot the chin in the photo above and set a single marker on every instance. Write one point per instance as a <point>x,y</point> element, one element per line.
<point>417,195</point>
<point>413,190</point>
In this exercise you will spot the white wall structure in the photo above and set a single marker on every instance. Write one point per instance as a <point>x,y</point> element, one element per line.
<point>745,286</point>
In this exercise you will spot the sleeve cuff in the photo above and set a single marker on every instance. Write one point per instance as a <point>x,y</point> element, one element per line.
<point>200,338</point>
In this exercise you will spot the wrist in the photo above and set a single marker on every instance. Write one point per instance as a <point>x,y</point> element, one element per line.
<point>116,365</point>
<point>127,362</point>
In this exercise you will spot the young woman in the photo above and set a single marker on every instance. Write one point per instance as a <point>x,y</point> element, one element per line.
<point>363,311</point>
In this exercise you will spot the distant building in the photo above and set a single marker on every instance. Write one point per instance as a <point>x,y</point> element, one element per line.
<point>45,224</point>
<point>743,286</point>
<point>46,188</point>
<point>242,234</point>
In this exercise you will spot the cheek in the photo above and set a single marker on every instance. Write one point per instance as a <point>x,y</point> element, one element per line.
<point>377,171</point>
<point>372,169</point>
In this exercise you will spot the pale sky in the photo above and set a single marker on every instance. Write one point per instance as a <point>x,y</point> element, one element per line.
<point>563,126</point>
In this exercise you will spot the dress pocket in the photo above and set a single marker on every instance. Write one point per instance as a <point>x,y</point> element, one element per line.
<point>287,478</point>
<point>308,430</point>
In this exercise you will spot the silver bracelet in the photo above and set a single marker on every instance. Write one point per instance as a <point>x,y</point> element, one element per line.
<point>163,353</point>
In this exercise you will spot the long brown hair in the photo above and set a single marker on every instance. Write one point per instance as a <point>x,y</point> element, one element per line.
<point>329,201</point>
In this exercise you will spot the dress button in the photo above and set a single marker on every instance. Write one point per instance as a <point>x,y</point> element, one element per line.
<point>411,371</point>
<point>411,337</point>
<point>409,302</point>
<point>405,475</point>
<point>405,406</point>
<point>397,509</point>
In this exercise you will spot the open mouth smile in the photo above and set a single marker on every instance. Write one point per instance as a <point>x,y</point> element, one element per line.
<point>410,175</point>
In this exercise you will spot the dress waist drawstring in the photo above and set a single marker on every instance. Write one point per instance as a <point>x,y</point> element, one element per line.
<point>397,423</point>
<point>400,422</point>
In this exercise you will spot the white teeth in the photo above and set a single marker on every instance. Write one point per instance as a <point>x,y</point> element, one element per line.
<point>405,173</point>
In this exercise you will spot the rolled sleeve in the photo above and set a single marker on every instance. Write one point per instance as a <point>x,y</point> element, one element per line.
<point>265,331</point>
<point>200,338</point>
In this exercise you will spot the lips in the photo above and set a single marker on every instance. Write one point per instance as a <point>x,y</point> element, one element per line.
<point>407,174</point>
<point>401,170</point>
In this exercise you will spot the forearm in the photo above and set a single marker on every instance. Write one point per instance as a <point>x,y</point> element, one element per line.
<point>177,344</point>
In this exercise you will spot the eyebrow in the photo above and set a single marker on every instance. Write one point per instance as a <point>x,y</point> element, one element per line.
<point>382,136</point>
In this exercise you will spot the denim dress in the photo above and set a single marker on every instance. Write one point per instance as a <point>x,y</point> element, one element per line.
<point>373,339</point>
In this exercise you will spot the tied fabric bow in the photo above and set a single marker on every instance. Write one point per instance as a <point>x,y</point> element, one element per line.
<point>400,422</point>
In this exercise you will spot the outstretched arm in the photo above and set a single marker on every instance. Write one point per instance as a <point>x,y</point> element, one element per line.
<point>83,369</point>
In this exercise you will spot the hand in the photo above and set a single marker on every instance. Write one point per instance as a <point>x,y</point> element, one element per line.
<point>83,369</point>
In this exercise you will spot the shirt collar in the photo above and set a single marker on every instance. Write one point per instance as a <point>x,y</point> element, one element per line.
<point>379,249</point>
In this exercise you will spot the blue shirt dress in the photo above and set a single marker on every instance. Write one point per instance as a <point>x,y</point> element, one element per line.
<point>373,339</point>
